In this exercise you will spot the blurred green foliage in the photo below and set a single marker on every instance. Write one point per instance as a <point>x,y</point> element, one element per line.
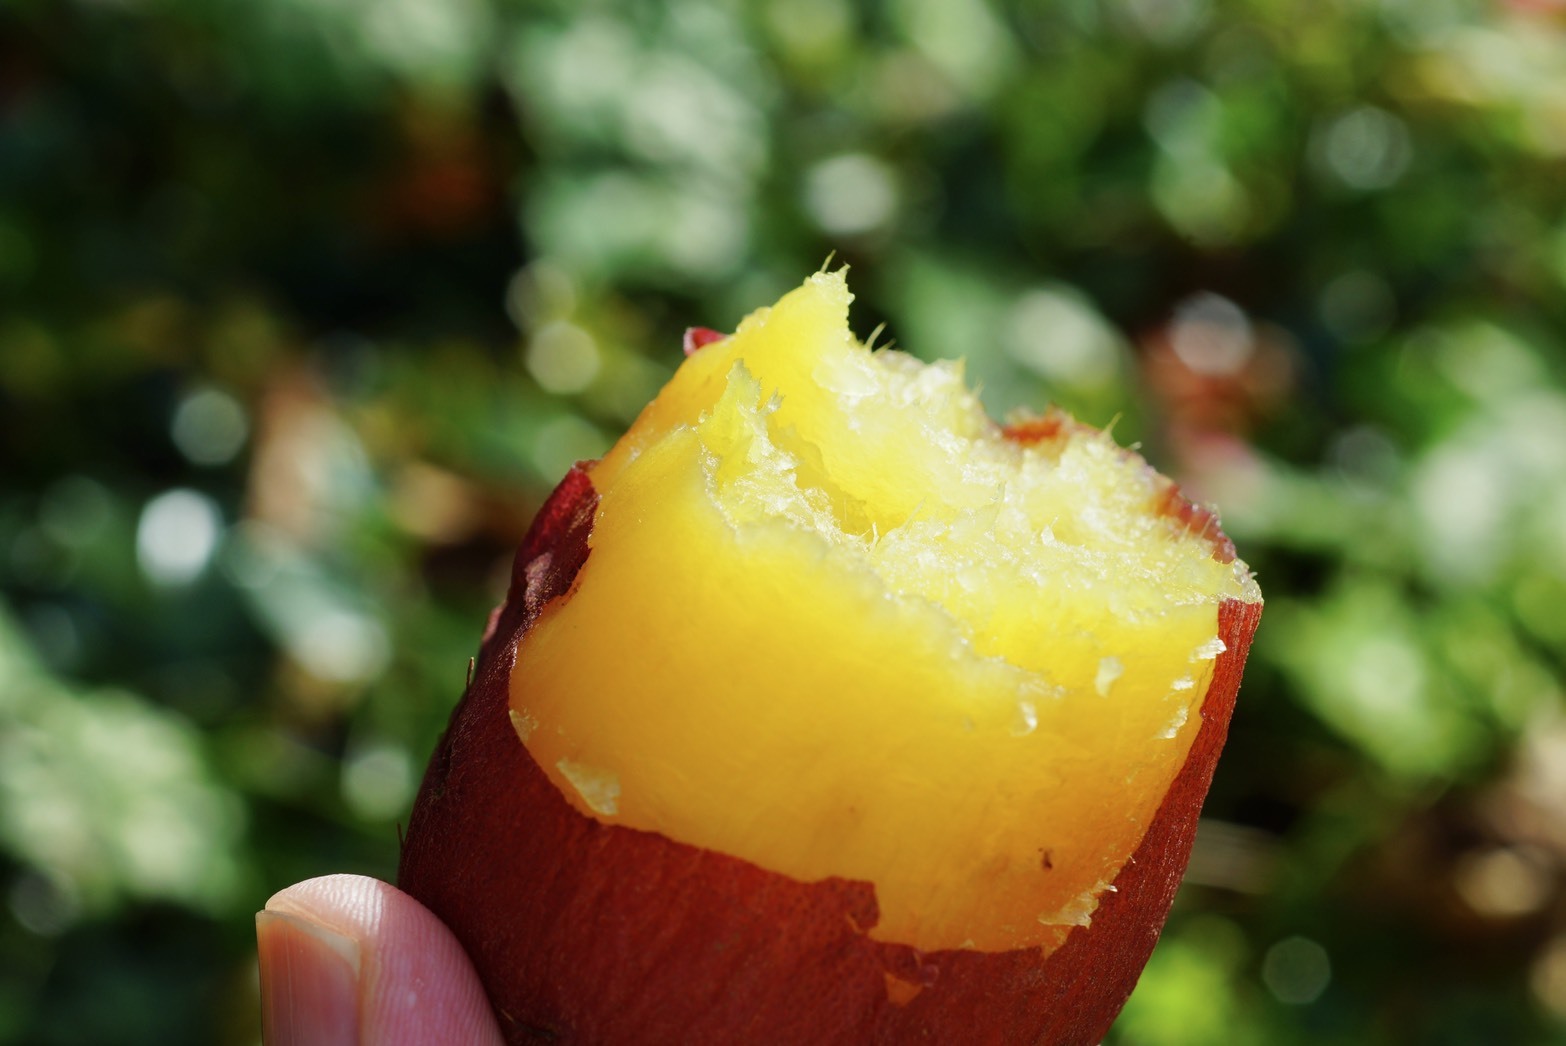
<point>305,305</point>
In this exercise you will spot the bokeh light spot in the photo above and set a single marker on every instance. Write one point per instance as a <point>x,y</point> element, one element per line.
<point>564,441</point>
<point>1296,970</point>
<point>563,358</point>
<point>1504,881</point>
<point>850,194</point>
<point>341,646</point>
<point>176,536</point>
<point>1211,335</point>
<point>1057,334</point>
<point>43,906</point>
<point>1366,148</point>
<point>209,427</point>
<point>377,781</point>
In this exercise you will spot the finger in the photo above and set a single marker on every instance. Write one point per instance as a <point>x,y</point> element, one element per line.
<point>347,959</point>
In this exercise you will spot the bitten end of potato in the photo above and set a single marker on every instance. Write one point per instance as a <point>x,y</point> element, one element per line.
<point>825,707</point>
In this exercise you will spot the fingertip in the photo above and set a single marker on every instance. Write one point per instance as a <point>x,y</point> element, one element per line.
<point>415,983</point>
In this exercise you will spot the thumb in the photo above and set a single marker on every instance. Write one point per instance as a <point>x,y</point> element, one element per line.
<point>346,959</point>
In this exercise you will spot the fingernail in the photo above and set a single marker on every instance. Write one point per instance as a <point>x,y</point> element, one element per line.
<point>309,983</point>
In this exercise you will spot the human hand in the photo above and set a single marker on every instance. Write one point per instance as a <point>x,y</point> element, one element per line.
<point>347,959</point>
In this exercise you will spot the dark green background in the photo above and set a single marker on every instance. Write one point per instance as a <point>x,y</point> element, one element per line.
<point>305,304</point>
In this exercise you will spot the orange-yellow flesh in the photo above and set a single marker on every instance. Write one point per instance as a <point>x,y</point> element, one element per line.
<point>834,624</point>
